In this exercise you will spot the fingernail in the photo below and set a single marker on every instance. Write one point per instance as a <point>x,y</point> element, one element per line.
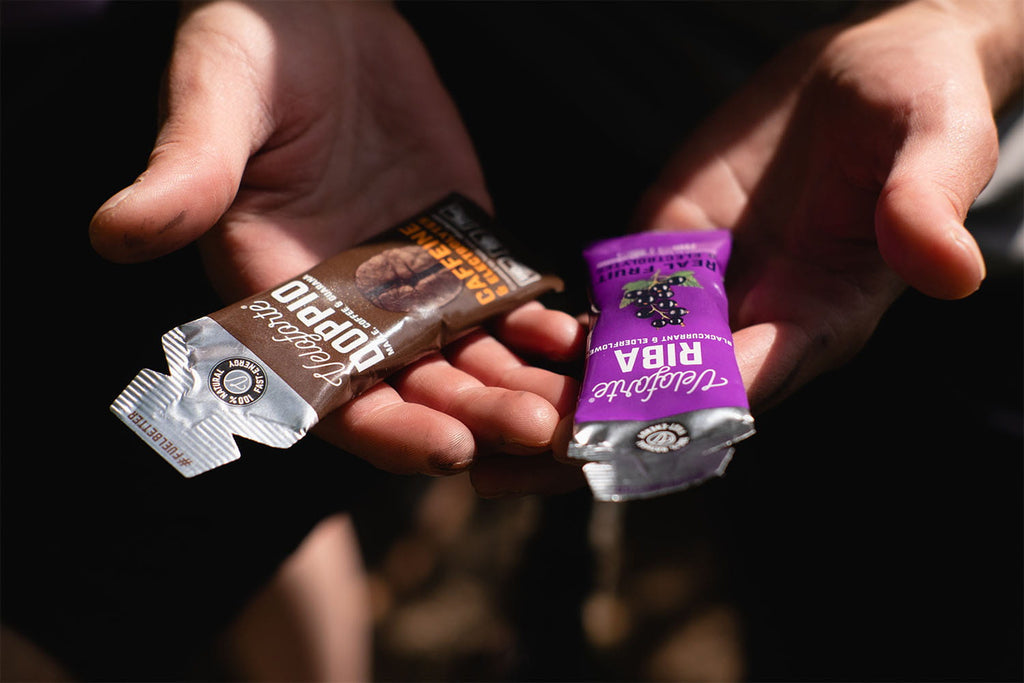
<point>445,468</point>
<point>523,446</point>
<point>111,203</point>
<point>963,238</point>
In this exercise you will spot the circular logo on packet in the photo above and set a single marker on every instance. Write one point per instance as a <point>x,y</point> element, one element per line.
<point>662,437</point>
<point>238,381</point>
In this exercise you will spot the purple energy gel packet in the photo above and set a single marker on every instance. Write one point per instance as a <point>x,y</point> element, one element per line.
<point>662,400</point>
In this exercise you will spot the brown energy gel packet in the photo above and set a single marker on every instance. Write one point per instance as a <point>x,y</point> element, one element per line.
<point>268,367</point>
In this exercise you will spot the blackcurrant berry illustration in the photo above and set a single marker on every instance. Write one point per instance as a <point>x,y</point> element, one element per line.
<point>654,299</point>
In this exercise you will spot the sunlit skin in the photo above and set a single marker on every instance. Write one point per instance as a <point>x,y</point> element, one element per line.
<point>845,170</point>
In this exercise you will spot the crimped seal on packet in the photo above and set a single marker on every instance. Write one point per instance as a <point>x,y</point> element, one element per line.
<point>662,401</point>
<point>268,367</point>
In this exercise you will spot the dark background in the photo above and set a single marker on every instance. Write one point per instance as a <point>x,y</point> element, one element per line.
<point>870,531</point>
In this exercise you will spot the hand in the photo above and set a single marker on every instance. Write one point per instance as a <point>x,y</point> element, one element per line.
<point>845,170</point>
<point>295,130</point>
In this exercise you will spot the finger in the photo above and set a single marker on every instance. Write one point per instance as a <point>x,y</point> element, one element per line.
<point>536,330</point>
<point>498,475</point>
<point>399,437</point>
<point>767,363</point>
<point>920,214</point>
<point>510,421</point>
<point>560,441</point>
<point>777,358</point>
<point>214,122</point>
<point>493,364</point>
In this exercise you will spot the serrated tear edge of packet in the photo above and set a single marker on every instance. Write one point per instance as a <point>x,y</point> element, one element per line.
<point>621,480</point>
<point>181,418</point>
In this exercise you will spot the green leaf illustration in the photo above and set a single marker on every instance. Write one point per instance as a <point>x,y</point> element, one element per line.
<point>689,279</point>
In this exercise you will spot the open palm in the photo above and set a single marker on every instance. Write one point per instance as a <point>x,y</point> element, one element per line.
<point>295,130</point>
<point>845,170</point>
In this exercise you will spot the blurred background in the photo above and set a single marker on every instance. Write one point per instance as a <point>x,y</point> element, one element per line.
<point>872,530</point>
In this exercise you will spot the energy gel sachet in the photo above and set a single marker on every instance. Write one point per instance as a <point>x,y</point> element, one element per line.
<point>268,367</point>
<point>662,401</point>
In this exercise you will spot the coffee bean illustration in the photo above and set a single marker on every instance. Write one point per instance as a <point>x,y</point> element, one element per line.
<point>406,278</point>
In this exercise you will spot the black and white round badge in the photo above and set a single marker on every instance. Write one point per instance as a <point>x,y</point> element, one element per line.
<point>662,437</point>
<point>238,381</point>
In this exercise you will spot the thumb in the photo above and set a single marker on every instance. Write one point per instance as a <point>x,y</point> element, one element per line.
<point>919,219</point>
<point>197,162</point>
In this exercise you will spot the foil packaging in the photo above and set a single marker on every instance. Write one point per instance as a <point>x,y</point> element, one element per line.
<point>269,367</point>
<point>661,402</point>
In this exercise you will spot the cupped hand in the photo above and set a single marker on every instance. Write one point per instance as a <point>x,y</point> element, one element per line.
<point>292,131</point>
<point>295,130</point>
<point>845,170</point>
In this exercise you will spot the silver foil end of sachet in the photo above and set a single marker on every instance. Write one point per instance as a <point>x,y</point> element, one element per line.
<point>632,459</point>
<point>636,478</point>
<point>217,389</point>
<point>681,435</point>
